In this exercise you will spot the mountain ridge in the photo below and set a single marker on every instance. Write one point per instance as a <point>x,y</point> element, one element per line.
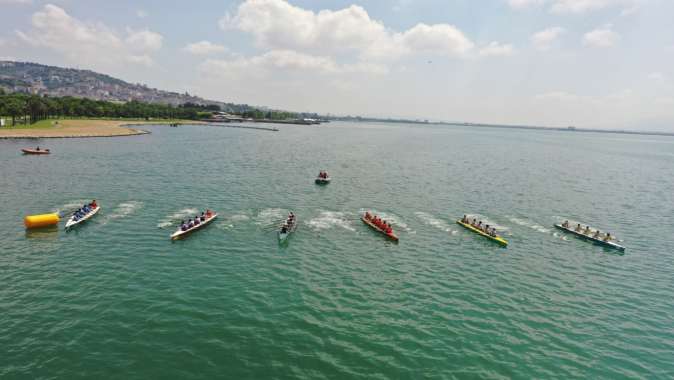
<point>39,79</point>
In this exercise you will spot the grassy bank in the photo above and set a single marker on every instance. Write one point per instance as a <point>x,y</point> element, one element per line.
<point>60,128</point>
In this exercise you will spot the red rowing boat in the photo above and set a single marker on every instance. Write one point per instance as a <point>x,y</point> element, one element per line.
<point>391,236</point>
<point>35,151</point>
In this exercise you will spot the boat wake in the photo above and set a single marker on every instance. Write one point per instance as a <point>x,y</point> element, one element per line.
<point>330,219</point>
<point>125,209</point>
<point>270,216</point>
<point>525,223</point>
<point>232,220</point>
<point>173,218</point>
<point>70,207</point>
<point>435,222</point>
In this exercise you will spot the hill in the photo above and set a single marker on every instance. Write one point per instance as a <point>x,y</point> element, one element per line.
<point>33,78</point>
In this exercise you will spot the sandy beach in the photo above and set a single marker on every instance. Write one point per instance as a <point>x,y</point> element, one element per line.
<point>81,128</point>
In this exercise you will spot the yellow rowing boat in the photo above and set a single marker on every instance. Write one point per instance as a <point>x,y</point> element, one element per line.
<point>496,238</point>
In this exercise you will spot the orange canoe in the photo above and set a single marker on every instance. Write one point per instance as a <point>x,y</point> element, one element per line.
<point>391,236</point>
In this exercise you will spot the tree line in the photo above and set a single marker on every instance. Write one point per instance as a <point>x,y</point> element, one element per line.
<point>33,108</point>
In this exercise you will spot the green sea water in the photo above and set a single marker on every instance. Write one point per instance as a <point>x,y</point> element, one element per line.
<point>115,298</point>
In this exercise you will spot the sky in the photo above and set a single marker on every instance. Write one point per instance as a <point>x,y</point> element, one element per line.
<point>586,63</point>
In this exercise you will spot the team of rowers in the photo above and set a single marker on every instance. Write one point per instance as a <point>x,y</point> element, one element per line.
<point>379,223</point>
<point>323,175</point>
<point>587,231</point>
<point>84,210</point>
<point>487,229</point>
<point>197,220</point>
<point>288,224</point>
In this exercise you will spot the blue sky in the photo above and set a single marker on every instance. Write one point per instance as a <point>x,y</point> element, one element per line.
<point>589,63</point>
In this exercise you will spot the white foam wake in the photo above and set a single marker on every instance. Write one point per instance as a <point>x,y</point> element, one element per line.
<point>330,219</point>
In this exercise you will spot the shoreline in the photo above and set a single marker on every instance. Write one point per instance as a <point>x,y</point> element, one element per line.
<point>85,128</point>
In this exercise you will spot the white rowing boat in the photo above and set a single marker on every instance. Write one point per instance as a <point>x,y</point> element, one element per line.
<point>599,241</point>
<point>180,233</point>
<point>283,236</point>
<point>72,222</point>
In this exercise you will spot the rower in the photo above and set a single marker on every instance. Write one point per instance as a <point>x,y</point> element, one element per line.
<point>479,225</point>
<point>465,219</point>
<point>587,230</point>
<point>203,217</point>
<point>565,224</point>
<point>196,221</point>
<point>284,229</point>
<point>38,148</point>
<point>208,213</point>
<point>367,215</point>
<point>608,237</point>
<point>486,228</point>
<point>93,204</point>
<point>596,234</point>
<point>389,230</point>
<point>578,228</point>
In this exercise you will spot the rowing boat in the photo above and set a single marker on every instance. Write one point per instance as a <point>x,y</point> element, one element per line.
<point>496,238</point>
<point>180,233</point>
<point>72,222</point>
<point>391,236</point>
<point>33,151</point>
<point>283,236</point>
<point>322,181</point>
<point>581,235</point>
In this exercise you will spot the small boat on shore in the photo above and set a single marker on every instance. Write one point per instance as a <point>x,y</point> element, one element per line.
<point>35,151</point>
<point>599,241</point>
<point>287,228</point>
<point>179,234</point>
<point>497,238</point>
<point>390,235</point>
<point>74,221</point>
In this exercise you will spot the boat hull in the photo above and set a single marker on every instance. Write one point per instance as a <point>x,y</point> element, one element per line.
<point>496,239</point>
<point>581,235</point>
<point>322,181</point>
<point>181,234</point>
<point>283,237</point>
<point>391,236</point>
<point>33,151</point>
<point>73,223</point>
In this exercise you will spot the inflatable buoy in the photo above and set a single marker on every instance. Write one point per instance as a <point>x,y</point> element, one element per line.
<point>44,220</point>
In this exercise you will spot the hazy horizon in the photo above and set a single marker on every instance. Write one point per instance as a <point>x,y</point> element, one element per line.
<point>588,63</point>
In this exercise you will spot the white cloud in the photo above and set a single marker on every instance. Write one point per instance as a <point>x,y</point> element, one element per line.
<point>544,38</point>
<point>520,4</point>
<point>87,43</point>
<point>276,24</point>
<point>578,6</point>
<point>496,49</point>
<point>204,48</point>
<point>16,2</point>
<point>278,61</point>
<point>657,76</point>
<point>7,58</point>
<point>141,13</point>
<point>601,37</point>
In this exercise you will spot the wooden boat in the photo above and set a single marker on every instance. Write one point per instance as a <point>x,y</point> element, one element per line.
<point>72,222</point>
<point>496,238</point>
<point>35,151</point>
<point>283,236</point>
<point>391,236</point>
<point>609,244</point>
<point>180,233</point>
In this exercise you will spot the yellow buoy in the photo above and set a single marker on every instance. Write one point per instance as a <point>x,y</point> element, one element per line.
<point>44,220</point>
